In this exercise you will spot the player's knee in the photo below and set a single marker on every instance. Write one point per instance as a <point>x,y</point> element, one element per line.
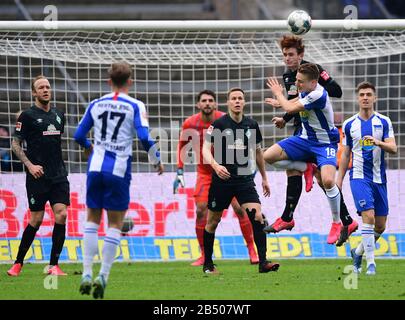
<point>61,216</point>
<point>36,221</point>
<point>201,212</point>
<point>328,182</point>
<point>379,229</point>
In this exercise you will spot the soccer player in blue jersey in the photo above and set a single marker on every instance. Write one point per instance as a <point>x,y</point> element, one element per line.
<point>318,139</point>
<point>367,136</point>
<point>116,117</point>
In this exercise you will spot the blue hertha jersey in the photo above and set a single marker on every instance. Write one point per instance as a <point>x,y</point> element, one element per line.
<point>116,118</point>
<point>368,160</point>
<point>317,118</point>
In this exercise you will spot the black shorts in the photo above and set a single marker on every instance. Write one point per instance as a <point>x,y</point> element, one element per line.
<point>221,194</point>
<point>40,192</point>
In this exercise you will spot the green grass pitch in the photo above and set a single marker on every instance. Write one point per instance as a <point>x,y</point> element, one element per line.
<point>296,279</point>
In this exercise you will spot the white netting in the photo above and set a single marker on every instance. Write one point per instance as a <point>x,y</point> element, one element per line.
<point>172,67</point>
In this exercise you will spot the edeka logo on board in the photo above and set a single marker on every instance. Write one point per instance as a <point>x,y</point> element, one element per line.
<point>164,224</point>
<point>225,247</point>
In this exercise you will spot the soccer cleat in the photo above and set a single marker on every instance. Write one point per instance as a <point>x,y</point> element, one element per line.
<point>334,232</point>
<point>85,284</point>
<point>356,261</point>
<point>268,266</point>
<point>99,285</point>
<point>371,270</point>
<point>210,269</point>
<point>56,271</point>
<point>309,176</point>
<point>254,259</point>
<point>279,225</point>
<point>198,262</point>
<point>346,232</point>
<point>15,270</point>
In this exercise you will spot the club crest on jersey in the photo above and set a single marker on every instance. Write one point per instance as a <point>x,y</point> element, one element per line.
<point>18,126</point>
<point>362,203</point>
<point>51,131</point>
<point>238,145</point>
<point>58,119</point>
<point>248,133</point>
<point>367,145</point>
<point>304,115</point>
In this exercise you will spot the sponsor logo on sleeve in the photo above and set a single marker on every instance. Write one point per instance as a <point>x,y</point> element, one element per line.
<point>18,126</point>
<point>210,129</point>
<point>324,75</point>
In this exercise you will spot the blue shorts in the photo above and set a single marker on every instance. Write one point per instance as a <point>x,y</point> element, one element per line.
<point>107,191</point>
<point>299,149</point>
<point>369,195</point>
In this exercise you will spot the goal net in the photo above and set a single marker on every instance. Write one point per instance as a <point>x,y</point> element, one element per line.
<point>170,67</point>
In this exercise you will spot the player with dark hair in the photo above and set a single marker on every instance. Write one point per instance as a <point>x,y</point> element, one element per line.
<point>193,131</point>
<point>293,51</point>
<point>367,136</point>
<point>235,142</point>
<point>42,126</point>
<point>116,117</point>
<point>318,138</point>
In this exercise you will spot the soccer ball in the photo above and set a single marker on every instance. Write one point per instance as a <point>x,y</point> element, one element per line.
<point>127,225</point>
<point>299,22</point>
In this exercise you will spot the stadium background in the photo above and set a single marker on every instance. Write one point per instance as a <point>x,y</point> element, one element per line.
<point>164,223</point>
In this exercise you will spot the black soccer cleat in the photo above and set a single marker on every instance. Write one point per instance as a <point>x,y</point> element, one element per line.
<point>268,266</point>
<point>210,269</point>
<point>345,233</point>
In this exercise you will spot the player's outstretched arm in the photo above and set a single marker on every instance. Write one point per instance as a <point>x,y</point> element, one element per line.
<point>262,169</point>
<point>343,165</point>
<point>290,106</point>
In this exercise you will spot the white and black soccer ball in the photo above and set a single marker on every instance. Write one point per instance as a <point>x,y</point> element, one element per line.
<point>299,22</point>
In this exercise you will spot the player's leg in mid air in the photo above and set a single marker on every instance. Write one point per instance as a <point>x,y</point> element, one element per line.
<point>247,231</point>
<point>293,194</point>
<point>201,203</point>
<point>332,192</point>
<point>349,225</point>
<point>287,154</point>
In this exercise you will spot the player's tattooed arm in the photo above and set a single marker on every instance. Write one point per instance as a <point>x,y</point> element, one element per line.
<point>35,170</point>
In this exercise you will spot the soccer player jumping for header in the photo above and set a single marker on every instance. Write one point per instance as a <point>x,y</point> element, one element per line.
<point>367,136</point>
<point>293,51</point>
<point>116,117</point>
<point>318,139</point>
<point>193,130</point>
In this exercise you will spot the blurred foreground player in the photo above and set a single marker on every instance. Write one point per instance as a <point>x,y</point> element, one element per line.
<point>116,117</point>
